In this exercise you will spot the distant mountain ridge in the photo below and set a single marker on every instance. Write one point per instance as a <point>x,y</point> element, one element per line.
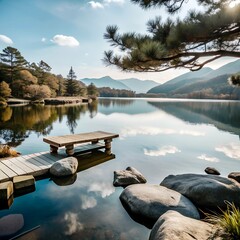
<point>203,83</point>
<point>133,84</point>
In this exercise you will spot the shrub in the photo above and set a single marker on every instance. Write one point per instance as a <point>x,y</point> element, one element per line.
<point>6,151</point>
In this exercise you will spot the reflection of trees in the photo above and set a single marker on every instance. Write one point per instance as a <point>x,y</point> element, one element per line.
<point>93,108</point>
<point>223,115</point>
<point>16,123</point>
<point>112,102</point>
<point>5,114</point>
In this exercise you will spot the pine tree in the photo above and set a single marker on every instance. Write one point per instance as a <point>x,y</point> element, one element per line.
<point>199,38</point>
<point>13,61</point>
<point>72,86</point>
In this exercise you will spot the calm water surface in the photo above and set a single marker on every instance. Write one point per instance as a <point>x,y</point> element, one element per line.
<point>158,137</point>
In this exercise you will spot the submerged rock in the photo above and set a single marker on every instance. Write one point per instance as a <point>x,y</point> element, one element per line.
<point>146,203</point>
<point>174,226</point>
<point>127,177</point>
<point>64,167</point>
<point>10,224</point>
<point>213,171</point>
<point>207,191</point>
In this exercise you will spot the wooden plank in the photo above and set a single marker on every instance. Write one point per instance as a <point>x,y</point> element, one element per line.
<point>28,161</point>
<point>21,165</point>
<point>9,172</point>
<point>3,176</point>
<point>79,138</point>
<point>41,160</point>
<point>14,167</point>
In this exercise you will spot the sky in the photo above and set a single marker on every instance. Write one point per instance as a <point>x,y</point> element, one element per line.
<point>66,33</point>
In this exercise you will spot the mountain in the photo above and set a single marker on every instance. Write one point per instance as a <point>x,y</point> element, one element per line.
<point>133,84</point>
<point>105,82</point>
<point>214,81</point>
<point>181,80</point>
<point>139,86</point>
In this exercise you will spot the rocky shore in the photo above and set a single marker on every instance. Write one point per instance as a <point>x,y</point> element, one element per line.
<point>175,209</point>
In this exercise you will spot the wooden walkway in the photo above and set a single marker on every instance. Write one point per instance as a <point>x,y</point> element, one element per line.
<point>36,164</point>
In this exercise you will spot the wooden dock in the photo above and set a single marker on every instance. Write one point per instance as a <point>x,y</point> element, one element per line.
<point>36,164</point>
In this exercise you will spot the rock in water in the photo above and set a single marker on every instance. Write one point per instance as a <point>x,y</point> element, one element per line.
<point>146,203</point>
<point>10,224</point>
<point>206,191</point>
<point>127,177</point>
<point>174,226</point>
<point>213,171</point>
<point>64,167</point>
<point>235,176</point>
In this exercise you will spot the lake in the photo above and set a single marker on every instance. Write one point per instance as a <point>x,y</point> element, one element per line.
<point>157,136</point>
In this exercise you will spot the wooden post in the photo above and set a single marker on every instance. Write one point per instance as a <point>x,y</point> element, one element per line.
<point>53,149</point>
<point>108,146</point>
<point>69,150</point>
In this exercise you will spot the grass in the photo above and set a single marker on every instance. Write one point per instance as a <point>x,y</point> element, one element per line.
<point>6,151</point>
<point>228,220</point>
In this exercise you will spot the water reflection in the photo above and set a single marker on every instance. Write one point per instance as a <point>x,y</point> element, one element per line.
<point>223,115</point>
<point>17,123</point>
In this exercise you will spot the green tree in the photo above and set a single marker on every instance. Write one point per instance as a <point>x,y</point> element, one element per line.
<point>42,69</point>
<point>72,85</point>
<point>13,61</point>
<point>5,91</point>
<point>92,90</point>
<point>192,42</point>
<point>61,85</point>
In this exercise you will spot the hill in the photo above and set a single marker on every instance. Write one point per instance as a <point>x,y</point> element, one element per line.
<point>105,82</point>
<point>139,86</point>
<point>133,84</point>
<point>181,80</point>
<point>209,83</point>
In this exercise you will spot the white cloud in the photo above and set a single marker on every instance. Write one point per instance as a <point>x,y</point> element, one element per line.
<point>43,39</point>
<point>131,132</point>
<point>96,5</point>
<point>72,223</point>
<point>207,158</point>
<point>232,150</point>
<point>105,189</point>
<point>161,151</point>
<point>5,39</point>
<point>63,40</point>
<point>88,202</point>
<point>114,1</point>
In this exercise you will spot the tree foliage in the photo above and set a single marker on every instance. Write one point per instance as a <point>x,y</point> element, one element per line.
<point>192,42</point>
<point>5,91</point>
<point>25,79</point>
<point>13,62</point>
<point>92,90</point>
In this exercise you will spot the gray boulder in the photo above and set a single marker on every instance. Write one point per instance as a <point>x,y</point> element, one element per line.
<point>127,177</point>
<point>211,170</point>
<point>146,203</point>
<point>206,191</point>
<point>174,226</point>
<point>64,167</point>
<point>235,176</point>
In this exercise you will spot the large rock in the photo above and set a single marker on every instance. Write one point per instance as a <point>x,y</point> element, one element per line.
<point>206,191</point>
<point>174,226</point>
<point>235,176</point>
<point>64,167</point>
<point>146,203</point>
<point>211,170</point>
<point>10,225</point>
<point>127,177</point>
